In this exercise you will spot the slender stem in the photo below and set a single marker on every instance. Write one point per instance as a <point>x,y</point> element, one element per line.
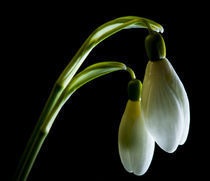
<point>30,156</point>
<point>149,27</point>
<point>37,137</point>
<point>131,72</point>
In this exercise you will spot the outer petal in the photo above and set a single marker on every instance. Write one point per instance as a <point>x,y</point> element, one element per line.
<point>179,90</point>
<point>165,105</point>
<point>136,146</point>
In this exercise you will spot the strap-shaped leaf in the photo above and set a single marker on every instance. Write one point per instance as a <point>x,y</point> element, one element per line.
<point>85,76</point>
<point>90,73</point>
<point>118,24</point>
<point>99,35</point>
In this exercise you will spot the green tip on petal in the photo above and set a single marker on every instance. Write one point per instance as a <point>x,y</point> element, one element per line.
<point>134,90</point>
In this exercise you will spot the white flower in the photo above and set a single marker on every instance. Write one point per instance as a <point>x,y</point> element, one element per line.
<point>165,105</point>
<point>136,146</point>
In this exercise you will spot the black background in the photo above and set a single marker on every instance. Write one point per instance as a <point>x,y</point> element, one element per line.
<point>39,43</point>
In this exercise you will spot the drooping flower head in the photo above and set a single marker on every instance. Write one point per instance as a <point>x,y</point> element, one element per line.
<point>136,145</point>
<point>165,105</point>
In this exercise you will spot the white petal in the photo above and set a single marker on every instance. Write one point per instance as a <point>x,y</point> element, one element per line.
<point>165,106</point>
<point>179,90</point>
<point>186,111</point>
<point>136,146</point>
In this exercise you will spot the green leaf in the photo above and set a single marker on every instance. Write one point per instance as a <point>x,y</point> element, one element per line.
<point>90,73</point>
<point>121,23</point>
<point>85,76</point>
<point>101,33</point>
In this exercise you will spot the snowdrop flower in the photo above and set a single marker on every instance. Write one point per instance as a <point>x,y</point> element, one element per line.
<point>136,145</point>
<point>165,105</point>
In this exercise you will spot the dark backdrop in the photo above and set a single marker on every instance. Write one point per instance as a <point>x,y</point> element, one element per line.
<point>39,43</point>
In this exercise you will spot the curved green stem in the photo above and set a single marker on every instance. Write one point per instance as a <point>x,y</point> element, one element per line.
<point>131,72</point>
<point>90,73</point>
<point>37,138</point>
<point>101,33</point>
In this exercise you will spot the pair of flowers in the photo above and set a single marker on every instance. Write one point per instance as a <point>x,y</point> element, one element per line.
<point>157,111</point>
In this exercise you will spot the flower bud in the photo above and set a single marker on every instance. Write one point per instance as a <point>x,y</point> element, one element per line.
<point>155,46</point>
<point>134,90</point>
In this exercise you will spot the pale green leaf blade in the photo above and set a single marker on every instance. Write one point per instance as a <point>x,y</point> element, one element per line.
<point>85,76</point>
<point>121,23</point>
<point>101,33</point>
<point>92,72</point>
